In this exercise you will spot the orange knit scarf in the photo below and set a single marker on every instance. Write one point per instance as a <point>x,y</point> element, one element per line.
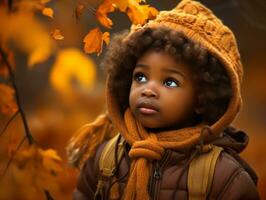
<point>146,147</point>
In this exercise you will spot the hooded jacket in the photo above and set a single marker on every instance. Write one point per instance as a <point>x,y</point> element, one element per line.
<point>233,179</point>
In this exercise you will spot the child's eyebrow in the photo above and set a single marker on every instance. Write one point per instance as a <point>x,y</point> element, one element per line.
<point>166,69</point>
<point>142,65</point>
<point>173,70</point>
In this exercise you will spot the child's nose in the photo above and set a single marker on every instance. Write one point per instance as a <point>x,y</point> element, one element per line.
<point>150,91</point>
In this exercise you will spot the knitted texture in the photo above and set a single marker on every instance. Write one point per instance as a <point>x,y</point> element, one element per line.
<point>147,147</point>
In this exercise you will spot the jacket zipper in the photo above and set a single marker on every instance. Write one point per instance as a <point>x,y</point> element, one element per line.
<point>157,176</point>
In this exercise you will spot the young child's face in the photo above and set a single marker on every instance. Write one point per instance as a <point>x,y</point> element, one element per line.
<point>162,92</point>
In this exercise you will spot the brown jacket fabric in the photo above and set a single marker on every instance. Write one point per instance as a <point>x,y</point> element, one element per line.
<point>233,177</point>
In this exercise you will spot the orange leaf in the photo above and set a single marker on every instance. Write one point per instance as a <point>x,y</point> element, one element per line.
<point>26,33</point>
<point>153,12</point>
<point>104,20</point>
<point>94,41</point>
<point>79,10</point>
<point>8,105</point>
<point>56,34</point>
<point>106,37</point>
<point>121,4</point>
<point>39,167</point>
<point>49,12</point>
<point>106,7</point>
<point>102,11</point>
<point>139,14</point>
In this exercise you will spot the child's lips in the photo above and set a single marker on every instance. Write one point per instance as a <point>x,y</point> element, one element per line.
<point>147,108</point>
<point>147,111</point>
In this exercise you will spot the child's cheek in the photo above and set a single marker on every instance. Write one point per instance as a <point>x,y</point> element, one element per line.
<point>133,97</point>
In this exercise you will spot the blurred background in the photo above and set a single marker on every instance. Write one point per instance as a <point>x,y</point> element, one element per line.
<point>66,90</point>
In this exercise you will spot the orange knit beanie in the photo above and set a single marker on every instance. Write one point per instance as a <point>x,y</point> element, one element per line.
<point>199,24</point>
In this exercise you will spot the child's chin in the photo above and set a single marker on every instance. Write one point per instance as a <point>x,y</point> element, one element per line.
<point>149,124</point>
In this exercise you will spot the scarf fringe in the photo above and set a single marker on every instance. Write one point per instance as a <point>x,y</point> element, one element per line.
<point>85,141</point>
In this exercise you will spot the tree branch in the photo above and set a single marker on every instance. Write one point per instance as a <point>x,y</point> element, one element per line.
<point>48,195</point>
<point>7,124</point>
<point>13,156</point>
<point>13,81</point>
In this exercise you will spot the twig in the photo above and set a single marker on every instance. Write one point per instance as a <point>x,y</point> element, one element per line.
<point>13,155</point>
<point>48,195</point>
<point>7,124</point>
<point>23,116</point>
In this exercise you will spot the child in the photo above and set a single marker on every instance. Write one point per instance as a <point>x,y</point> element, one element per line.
<point>173,88</point>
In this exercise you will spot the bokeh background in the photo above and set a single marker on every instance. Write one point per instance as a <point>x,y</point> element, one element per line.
<point>55,112</point>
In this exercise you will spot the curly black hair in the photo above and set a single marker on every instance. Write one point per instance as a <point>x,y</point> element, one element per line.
<point>212,83</point>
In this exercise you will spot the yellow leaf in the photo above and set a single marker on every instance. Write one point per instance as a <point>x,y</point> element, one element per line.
<point>56,34</point>
<point>38,55</point>
<point>51,154</point>
<point>8,105</point>
<point>72,64</point>
<point>94,41</point>
<point>48,12</point>
<point>27,33</point>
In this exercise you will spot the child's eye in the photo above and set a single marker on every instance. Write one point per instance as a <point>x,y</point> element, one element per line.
<point>139,77</point>
<point>171,83</point>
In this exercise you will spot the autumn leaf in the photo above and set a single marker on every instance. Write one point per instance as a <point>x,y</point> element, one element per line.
<point>29,6</point>
<point>71,64</point>
<point>27,34</point>
<point>79,10</point>
<point>137,13</point>
<point>124,4</point>
<point>8,105</point>
<point>49,12</point>
<point>104,20</point>
<point>106,37</point>
<point>56,34</point>
<point>141,13</point>
<point>153,12</point>
<point>37,167</point>
<point>94,41</point>
<point>102,11</point>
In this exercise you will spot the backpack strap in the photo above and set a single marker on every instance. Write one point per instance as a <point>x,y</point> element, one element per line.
<point>107,166</point>
<point>201,172</point>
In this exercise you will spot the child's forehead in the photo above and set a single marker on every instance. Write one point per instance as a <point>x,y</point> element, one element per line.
<point>152,58</point>
<point>164,63</point>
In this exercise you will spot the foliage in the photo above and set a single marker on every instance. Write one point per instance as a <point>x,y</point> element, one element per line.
<point>28,28</point>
